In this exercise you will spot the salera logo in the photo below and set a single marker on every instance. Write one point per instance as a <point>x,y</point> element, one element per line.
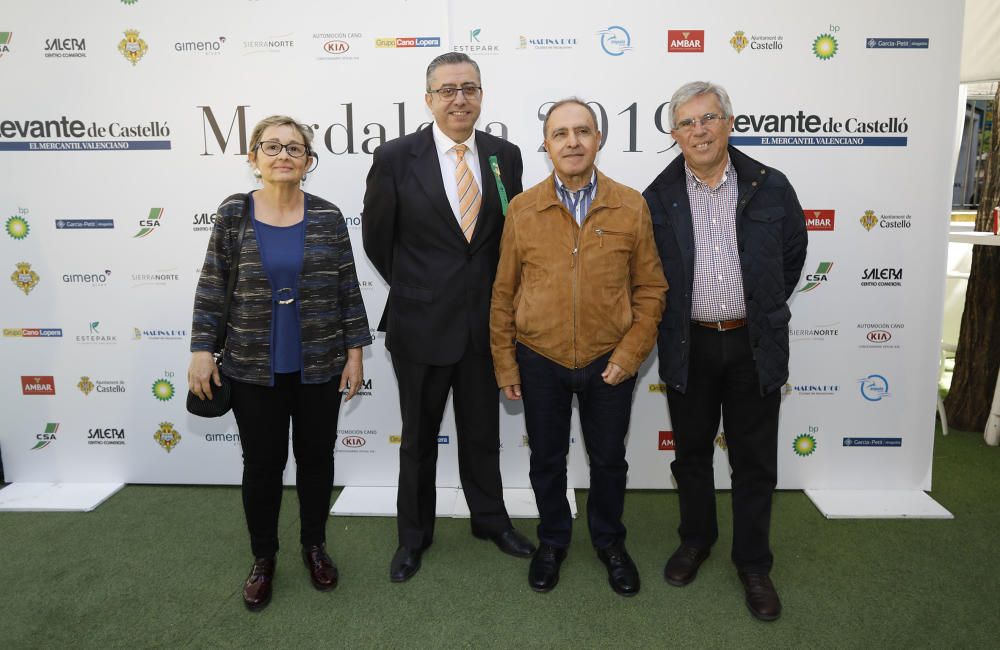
<point>38,385</point>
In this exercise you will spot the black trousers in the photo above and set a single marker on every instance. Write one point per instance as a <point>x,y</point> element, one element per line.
<point>722,377</point>
<point>262,415</point>
<point>423,392</point>
<point>605,410</point>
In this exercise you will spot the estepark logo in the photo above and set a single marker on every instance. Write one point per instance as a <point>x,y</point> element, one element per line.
<point>819,220</point>
<point>95,336</point>
<point>400,42</point>
<point>65,48</point>
<point>666,442</point>
<point>874,387</point>
<point>47,437</point>
<point>149,225</point>
<point>804,444</point>
<point>615,40</point>
<point>38,385</point>
<point>821,276</point>
<point>685,40</point>
<point>476,46</point>
<point>106,436</point>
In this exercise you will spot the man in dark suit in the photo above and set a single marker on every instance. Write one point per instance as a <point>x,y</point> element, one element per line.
<point>433,214</point>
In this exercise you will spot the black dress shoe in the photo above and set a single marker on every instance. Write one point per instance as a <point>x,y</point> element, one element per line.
<point>682,567</point>
<point>509,541</point>
<point>762,598</point>
<point>623,576</point>
<point>257,588</point>
<point>405,563</point>
<point>322,571</point>
<point>543,574</point>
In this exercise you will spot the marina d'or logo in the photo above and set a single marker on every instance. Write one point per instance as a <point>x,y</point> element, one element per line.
<point>804,445</point>
<point>43,440</point>
<point>132,47</point>
<point>167,436</point>
<point>163,390</point>
<point>17,228</point>
<point>85,385</point>
<point>869,220</point>
<point>825,47</point>
<point>24,278</point>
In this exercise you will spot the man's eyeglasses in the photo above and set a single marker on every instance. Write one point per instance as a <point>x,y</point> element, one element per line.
<point>469,91</point>
<point>271,148</point>
<point>708,120</point>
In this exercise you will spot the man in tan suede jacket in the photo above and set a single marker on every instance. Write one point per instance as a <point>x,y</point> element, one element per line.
<point>577,299</point>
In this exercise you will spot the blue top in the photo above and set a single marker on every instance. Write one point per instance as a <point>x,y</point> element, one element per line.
<point>281,251</point>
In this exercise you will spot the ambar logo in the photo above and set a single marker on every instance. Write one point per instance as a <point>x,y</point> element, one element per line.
<point>686,40</point>
<point>38,385</point>
<point>667,441</point>
<point>819,219</point>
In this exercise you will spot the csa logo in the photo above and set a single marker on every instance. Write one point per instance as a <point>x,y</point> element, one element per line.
<point>5,38</point>
<point>869,220</point>
<point>24,278</point>
<point>825,47</point>
<point>150,223</point>
<point>132,47</point>
<point>805,444</point>
<point>85,385</point>
<point>821,275</point>
<point>167,437</point>
<point>739,41</point>
<point>667,441</point>
<point>48,437</point>
<point>163,389</point>
<point>17,228</point>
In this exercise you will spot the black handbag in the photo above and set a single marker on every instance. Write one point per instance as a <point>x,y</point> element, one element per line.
<point>220,404</point>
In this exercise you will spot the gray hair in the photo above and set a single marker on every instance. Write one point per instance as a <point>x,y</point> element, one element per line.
<point>562,102</point>
<point>281,120</point>
<point>451,58</point>
<point>692,89</point>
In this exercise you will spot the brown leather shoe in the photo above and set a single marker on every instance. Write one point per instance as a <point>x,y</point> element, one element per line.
<point>682,567</point>
<point>762,598</point>
<point>257,588</point>
<point>322,571</point>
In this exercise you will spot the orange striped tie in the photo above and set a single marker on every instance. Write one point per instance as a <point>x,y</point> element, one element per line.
<point>469,198</point>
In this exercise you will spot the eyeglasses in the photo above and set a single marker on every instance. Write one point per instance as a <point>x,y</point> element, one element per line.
<point>271,148</point>
<point>469,91</point>
<point>708,120</point>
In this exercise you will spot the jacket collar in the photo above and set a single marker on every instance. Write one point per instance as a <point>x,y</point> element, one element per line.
<point>608,195</point>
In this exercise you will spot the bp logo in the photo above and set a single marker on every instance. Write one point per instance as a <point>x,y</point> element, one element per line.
<point>825,47</point>
<point>85,385</point>
<point>804,445</point>
<point>166,436</point>
<point>869,220</point>
<point>24,278</point>
<point>163,390</point>
<point>17,228</point>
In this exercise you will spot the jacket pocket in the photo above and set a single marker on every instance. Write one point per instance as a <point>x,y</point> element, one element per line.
<point>614,234</point>
<point>412,293</point>
<point>767,215</point>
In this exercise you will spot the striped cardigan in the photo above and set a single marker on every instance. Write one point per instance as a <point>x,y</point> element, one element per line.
<point>331,312</point>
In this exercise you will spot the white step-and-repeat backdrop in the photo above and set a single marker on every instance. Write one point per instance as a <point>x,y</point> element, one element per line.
<point>125,122</point>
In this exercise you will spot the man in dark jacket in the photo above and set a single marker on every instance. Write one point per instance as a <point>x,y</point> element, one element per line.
<point>732,238</point>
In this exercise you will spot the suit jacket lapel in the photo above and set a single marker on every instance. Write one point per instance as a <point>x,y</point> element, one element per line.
<point>427,169</point>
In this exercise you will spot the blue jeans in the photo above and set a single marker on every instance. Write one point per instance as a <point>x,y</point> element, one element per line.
<point>547,393</point>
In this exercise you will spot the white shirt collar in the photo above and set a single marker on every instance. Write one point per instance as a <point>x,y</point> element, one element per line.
<point>444,144</point>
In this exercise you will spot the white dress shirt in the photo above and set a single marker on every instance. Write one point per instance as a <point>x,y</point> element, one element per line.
<point>448,160</point>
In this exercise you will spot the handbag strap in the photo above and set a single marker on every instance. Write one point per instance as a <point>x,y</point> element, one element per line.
<point>234,267</point>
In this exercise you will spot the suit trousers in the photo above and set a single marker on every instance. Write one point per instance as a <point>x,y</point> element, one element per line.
<point>262,416</point>
<point>723,377</point>
<point>605,410</point>
<point>423,392</point>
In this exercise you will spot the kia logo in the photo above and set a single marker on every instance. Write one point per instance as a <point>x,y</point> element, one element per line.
<point>879,336</point>
<point>353,441</point>
<point>336,47</point>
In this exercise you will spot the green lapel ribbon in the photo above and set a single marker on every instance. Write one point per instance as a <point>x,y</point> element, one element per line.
<point>495,166</point>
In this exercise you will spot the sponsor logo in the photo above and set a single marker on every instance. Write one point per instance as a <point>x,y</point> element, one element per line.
<point>615,40</point>
<point>65,134</point>
<point>407,41</point>
<point>874,388</point>
<point>105,436</point>
<point>365,389</point>
<point>872,442</point>
<point>84,224</point>
<point>666,441</point>
<point>17,228</point>
<point>658,388</point>
<point>5,39</point>
<point>132,47</point>
<point>98,279</point>
<point>756,42</point>
<point>883,43</point>
<point>825,47</point>
<point>148,225</point>
<point>720,441</point>
<point>167,436</point>
<point>336,46</point>
<point>524,441</point>
<point>685,40</point>
<point>203,221</point>
<point>65,48</point>
<point>395,440</point>
<point>811,389</point>
<point>269,45</point>
<point>95,336</point>
<point>821,276</point>
<point>32,332</point>
<point>160,278</point>
<point>208,48</point>
<point>163,388</point>
<point>739,41</point>
<point>47,437</point>
<point>475,45</point>
<point>817,333</point>
<point>546,43</point>
<point>804,444</point>
<point>880,334</point>
<point>443,439</point>
<point>882,277</point>
<point>140,334</point>
<point>38,385</point>
<point>129,2</point>
<point>888,221</point>
<point>24,278</point>
<point>353,442</point>
<point>233,438</point>
<point>86,385</point>
<point>819,219</point>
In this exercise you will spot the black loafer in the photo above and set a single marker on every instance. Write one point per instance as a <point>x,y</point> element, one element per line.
<point>543,574</point>
<point>682,567</point>
<point>257,587</point>
<point>623,576</point>
<point>762,597</point>
<point>405,563</point>
<point>322,571</point>
<point>509,541</point>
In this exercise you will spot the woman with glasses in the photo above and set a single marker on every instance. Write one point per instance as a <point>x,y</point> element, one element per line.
<point>296,327</point>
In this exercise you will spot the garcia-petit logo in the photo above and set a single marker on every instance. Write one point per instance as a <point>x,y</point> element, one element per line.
<point>38,385</point>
